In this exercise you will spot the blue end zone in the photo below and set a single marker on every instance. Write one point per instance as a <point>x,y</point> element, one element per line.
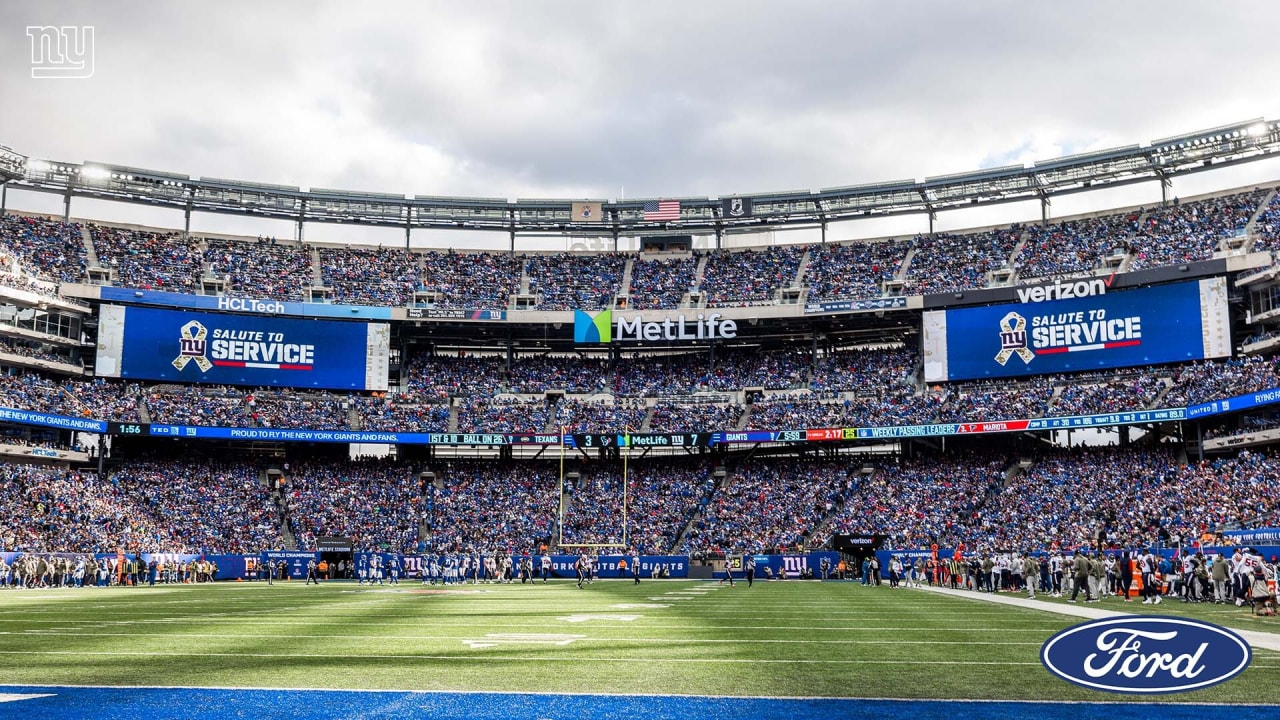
<point>197,704</point>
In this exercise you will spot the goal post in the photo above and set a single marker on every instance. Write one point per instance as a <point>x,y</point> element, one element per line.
<point>624,449</point>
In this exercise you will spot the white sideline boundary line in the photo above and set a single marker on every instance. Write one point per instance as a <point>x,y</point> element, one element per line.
<point>511,693</point>
<point>1257,639</point>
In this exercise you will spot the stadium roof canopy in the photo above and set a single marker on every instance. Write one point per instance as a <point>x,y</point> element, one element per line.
<point>1158,160</point>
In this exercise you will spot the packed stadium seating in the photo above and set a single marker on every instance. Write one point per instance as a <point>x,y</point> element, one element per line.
<point>1132,496</point>
<point>841,271</point>
<point>491,506</point>
<point>1074,246</point>
<point>149,260</point>
<point>375,503</point>
<point>569,281</point>
<point>265,269</point>
<point>477,281</point>
<point>749,277</point>
<point>1188,232</point>
<point>361,276</point>
<point>660,283</point>
<point>47,249</point>
<point>948,262</point>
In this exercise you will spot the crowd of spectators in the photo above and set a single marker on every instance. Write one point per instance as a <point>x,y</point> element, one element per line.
<point>1137,392</point>
<point>866,370</point>
<point>572,281</point>
<point>11,279</point>
<point>377,503</point>
<point>661,498</point>
<point>439,377</point>
<point>749,277</point>
<point>266,268</point>
<point>1073,246</point>
<point>33,350</point>
<point>49,250</point>
<point>492,506</point>
<point>1214,379</point>
<point>660,283</point>
<point>694,417</point>
<point>370,276</point>
<point>947,262</point>
<point>472,281</point>
<point>540,373</point>
<point>51,509</point>
<point>1268,227</point>
<point>149,260</point>
<point>768,504</point>
<point>223,406</point>
<point>1191,231</point>
<point>852,270</point>
<point>590,416</point>
<point>1128,496</point>
<point>916,503</point>
<point>1131,497</point>
<point>395,415</point>
<point>504,415</point>
<point>208,506</point>
<point>97,399</point>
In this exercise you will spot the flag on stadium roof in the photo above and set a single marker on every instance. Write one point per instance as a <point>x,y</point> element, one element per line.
<point>662,210</point>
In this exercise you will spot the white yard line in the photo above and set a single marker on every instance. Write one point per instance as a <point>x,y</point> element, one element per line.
<point>1266,640</point>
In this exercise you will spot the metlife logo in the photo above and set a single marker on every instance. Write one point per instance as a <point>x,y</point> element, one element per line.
<point>603,328</point>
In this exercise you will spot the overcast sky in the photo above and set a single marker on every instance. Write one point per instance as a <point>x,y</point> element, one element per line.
<point>584,99</point>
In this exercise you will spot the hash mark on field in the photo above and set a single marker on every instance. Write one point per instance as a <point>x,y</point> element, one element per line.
<point>606,617</point>
<point>639,606</point>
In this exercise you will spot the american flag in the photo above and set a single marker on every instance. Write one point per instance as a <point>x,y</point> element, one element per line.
<point>662,210</point>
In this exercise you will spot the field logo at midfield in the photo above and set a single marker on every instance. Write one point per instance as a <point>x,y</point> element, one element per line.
<point>588,328</point>
<point>1146,655</point>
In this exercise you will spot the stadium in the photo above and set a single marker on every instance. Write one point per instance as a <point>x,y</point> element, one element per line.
<point>687,455</point>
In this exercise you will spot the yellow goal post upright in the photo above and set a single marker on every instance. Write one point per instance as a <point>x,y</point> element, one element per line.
<point>625,449</point>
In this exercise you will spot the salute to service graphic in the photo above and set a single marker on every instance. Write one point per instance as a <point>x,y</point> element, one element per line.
<point>1071,327</point>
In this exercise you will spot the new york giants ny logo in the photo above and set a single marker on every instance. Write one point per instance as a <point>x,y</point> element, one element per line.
<point>65,52</point>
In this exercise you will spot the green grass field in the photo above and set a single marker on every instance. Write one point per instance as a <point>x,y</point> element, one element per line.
<point>776,639</point>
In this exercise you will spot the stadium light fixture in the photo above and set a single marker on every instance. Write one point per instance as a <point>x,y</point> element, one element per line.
<point>1257,129</point>
<point>37,165</point>
<point>90,172</point>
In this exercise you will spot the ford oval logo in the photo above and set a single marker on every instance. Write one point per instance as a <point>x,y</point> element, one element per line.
<point>1146,654</point>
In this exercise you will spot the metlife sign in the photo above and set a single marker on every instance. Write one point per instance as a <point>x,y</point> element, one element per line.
<point>1078,326</point>
<point>171,345</point>
<point>604,327</point>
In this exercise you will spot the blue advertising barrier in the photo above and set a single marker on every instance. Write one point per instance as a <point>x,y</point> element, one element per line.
<point>27,417</point>
<point>1234,404</point>
<point>224,349</point>
<point>562,566</point>
<point>1092,329</point>
<point>242,305</point>
<point>789,565</point>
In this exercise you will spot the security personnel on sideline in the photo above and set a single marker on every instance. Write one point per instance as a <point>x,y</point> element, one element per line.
<point>1080,572</point>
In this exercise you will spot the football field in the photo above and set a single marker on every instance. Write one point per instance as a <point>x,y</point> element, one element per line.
<point>681,649</point>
